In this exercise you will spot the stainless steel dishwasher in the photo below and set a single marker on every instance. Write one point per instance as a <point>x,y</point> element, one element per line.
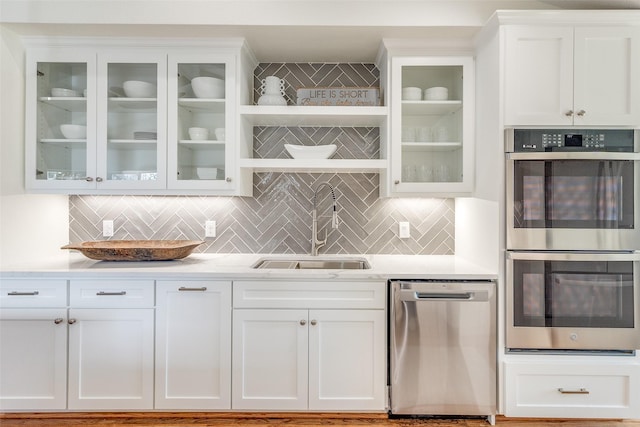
<point>443,348</point>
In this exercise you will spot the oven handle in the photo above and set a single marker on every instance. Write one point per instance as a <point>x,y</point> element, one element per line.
<point>574,256</point>
<point>564,155</point>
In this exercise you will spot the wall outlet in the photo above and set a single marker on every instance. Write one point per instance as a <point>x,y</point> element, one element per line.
<point>210,229</point>
<point>107,228</point>
<point>404,230</point>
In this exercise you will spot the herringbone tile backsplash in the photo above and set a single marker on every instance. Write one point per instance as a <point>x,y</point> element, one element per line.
<point>277,219</point>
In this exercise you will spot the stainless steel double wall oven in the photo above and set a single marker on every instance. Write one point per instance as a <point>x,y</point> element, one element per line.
<point>573,239</point>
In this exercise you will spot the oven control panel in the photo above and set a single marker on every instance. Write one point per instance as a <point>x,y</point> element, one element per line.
<point>541,140</point>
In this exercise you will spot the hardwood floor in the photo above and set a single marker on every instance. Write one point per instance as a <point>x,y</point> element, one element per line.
<point>280,420</point>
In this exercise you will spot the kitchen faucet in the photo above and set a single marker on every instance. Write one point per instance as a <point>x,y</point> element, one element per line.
<point>315,242</point>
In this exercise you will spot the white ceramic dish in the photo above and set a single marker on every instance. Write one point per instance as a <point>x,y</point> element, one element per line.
<point>139,89</point>
<point>436,94</point>
<point>62,92</point>
<point>198,134</point>
<point>207,87</point>
<point>311,151</point>
<point>411,93</point>
<point>70,131</point>
<point>207,173</point>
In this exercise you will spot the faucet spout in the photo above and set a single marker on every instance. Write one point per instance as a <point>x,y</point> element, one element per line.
<point>317,243</point>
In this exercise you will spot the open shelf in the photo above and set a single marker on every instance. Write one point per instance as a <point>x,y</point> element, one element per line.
<point>68,103</point>
<point>315,165</point>
<point>297,115</point>
<point>202,104</point>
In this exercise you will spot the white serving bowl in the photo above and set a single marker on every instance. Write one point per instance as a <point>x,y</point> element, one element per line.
<point>139,89</point>
<point>207,173</point>
<point>207,87</point>
<point>60,91</point>
<point>311,151</point>
<point>198,134</point>
<point>436,94</point>
<point>411,93</point>
<point>70,131</point>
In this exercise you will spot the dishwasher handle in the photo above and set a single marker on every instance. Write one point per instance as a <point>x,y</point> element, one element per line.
<point>459,296</point>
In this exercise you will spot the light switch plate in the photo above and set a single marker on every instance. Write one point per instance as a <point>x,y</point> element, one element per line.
<point>404,230</point>
<point>107,228</point>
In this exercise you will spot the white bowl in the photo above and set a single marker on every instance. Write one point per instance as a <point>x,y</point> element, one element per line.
<point>207,173</point>
<point>207,87</point>
<point>436,94</point>
<point>139,89</point>
<point>311,151</point>
<point>199,134</point>
<point>60,91</point>
<point>411,93</point>
<point>70,131</point>
<point>220,134</point>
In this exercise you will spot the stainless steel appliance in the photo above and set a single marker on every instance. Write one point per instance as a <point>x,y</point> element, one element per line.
<point>442,347</point>
<point>573,300</point>
<point>573,189</point>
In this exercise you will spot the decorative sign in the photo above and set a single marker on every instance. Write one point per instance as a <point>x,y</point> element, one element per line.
<point>349,96</point>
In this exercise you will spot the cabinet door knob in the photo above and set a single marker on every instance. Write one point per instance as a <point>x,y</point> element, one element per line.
<point>89,179</point>
<point>314,322</point>
<point>98,179</point>
<point>303,322</point>
<point>396,182</point>
<point>72,321</point>
<point>581,113</point>
<point>569,113</point>
<point>58,320</point>
<point>228,179</point>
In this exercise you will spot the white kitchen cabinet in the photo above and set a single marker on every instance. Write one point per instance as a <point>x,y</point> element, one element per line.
<point>572,386</point>
<point>193,345</point>
<point>309,346</point>
<point>33,344</point>
<point>432,137</point>
<point>137,144</point>
<point>564,75</point>
<point>110,349</point>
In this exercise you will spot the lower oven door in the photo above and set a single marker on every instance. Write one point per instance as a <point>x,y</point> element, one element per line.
<point>573,300</point>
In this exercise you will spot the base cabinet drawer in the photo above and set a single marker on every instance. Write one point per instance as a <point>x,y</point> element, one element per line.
<point>573,389</point>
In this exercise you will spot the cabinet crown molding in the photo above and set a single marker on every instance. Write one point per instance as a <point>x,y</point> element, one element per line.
<point>570,17</point>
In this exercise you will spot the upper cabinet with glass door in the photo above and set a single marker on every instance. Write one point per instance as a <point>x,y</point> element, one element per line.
<point>202,121</point>
<point>132,93</point>
<point>431,125</point>
<point>60,120</point>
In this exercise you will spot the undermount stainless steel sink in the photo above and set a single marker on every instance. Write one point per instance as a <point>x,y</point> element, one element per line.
<point>313,264</point>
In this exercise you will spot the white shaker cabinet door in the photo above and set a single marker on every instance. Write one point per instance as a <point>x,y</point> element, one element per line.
<point>270,359</point>
<point>538,75</point>
<point>193,345</point>
<point>347,360</point>
<point>607,66</point>
<point>33,355</point>
<point>110,359</point>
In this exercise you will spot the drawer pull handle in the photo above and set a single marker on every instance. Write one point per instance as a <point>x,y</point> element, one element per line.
<point>578,391</point>
<point>58,320</point>
<point>16,293</point>
<point>183,288</point>
<point>102,293</point>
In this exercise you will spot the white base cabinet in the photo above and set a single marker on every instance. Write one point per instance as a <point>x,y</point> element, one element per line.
<point>111,348</point>
<point>193,345</point>
<point>309,346</point>
<point>572,387</point>
<point>33,344</point>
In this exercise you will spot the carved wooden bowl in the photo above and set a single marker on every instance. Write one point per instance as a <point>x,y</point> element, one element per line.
<point>135,250</point>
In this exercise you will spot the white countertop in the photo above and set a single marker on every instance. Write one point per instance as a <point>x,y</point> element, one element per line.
<point>236,266</point>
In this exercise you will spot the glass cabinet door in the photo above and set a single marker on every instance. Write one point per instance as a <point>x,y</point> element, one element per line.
<point>201,124</point>
<point>60,131</point>
<point>131,121</point>
<point>432,135</point>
